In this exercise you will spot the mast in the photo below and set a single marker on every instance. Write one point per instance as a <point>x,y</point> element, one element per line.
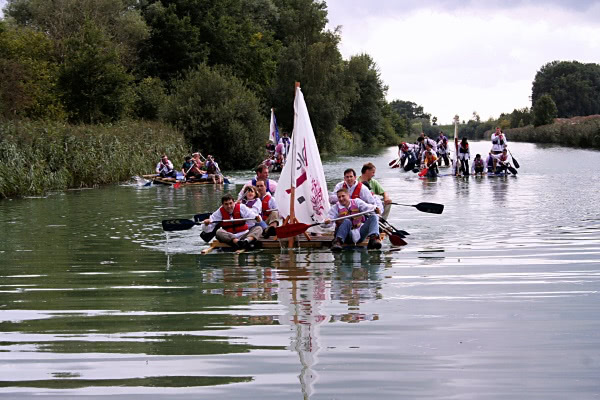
<point>292,216</point>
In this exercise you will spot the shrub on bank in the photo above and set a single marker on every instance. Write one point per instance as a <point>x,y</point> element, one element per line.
<point>579,132</point>
<point>37,157</point>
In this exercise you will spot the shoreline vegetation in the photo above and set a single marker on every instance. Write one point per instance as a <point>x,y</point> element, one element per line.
<point>37,157</point>
<point>571,132</point>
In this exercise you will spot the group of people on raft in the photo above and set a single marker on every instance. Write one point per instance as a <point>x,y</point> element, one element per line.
<point>428,154</point>
<point>194,169</point>
<point>277,152</point>
<point>242,222</point>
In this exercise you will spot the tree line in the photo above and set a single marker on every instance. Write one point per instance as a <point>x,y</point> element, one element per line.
<point>212,69</point>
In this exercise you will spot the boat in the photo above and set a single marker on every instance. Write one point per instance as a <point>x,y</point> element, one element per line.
<point>172,181</point>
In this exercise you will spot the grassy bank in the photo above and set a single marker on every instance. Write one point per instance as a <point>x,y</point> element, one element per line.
<point>37,157</point>
<point>577,132</point>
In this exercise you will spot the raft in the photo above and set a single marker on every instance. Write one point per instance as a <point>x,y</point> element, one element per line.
<point>171,181</point>
<point>315,242</point>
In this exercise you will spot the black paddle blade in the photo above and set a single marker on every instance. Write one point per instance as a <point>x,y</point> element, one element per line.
<point>201,217</point>
<point>171,225</point>
<point>515,162</point>
<point>432,208</point>
<point>512,170</point>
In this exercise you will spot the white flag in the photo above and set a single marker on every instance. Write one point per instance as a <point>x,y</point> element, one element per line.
<point>304,168</point>
<point>273,131</point>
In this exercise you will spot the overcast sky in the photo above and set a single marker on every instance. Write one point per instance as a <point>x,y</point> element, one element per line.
<point>456,57</point>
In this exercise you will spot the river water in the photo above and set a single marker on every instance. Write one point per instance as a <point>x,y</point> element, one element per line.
<point>497,298</point>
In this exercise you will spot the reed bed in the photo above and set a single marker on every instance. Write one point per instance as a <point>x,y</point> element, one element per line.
<point>38,157</point>
<point>575,132</point>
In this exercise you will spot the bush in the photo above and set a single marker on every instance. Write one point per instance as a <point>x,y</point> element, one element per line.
<point>219,116</point>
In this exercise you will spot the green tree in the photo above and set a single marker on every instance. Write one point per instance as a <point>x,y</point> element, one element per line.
<point>573,86</point>
<point>544,110</point>
<point>366,115</point>
<point>150,97</point>
<point>29,74</point>
<point>62,20</point>
<point>218,115</point>
<point>93,83</point>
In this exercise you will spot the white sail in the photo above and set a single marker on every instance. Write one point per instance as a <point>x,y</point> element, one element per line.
<point>304,171</point>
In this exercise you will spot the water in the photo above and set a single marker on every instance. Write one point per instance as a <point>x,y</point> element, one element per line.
<point>497,298</point>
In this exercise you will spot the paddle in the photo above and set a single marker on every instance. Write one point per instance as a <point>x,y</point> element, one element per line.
<point>291,230</point>
<point>514,161</point>
<point>395,239</point>
<point>398,232</point>
<point>171,225</point>
<point>432,208</point>
<point>423,172</point>
<point>394,161</point>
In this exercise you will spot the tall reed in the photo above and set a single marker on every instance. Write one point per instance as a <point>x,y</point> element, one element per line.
<point>37,157</point>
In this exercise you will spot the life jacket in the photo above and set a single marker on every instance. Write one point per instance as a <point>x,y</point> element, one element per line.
<point>265,206</point>
<point>352,209</point>
<point>503,157</point>
<point>356,193</point>
<point>267,182</point>
<point>463,149</point>
<point>430,158</point>
<point>233,227</point>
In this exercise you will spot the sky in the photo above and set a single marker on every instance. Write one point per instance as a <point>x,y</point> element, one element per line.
<point>455,57</point>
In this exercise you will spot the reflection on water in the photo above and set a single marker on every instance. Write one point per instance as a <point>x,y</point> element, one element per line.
<point>495,298</point>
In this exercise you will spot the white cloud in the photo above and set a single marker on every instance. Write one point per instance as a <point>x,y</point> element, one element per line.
<point>456,61</point>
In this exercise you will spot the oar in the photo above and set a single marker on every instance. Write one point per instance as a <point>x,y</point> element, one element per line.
<point>396,231</point>
<point>514,160</point>
<point>394,161</point>
<point>291,230</point>
<point>423,172</point>
<point>395,239</point>
<point>171,225</point>
<point>432,208</point>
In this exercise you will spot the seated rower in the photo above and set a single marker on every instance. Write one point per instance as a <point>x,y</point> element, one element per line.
<point>212,170</point>
<point>164,168</point>
<point>357,190</point>
<point>367,173</point>
<point>236,234</point>
<point>262,172</point>
<point>197,173</point>
<point>502,163</point>
<point>430,162</point>
<point>478,166</point>
<point>353,230</point>
<point>270,214</point>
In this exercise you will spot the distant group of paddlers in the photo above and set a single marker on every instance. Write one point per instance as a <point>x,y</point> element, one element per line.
<point>196,168</point>
<point>426,155</point>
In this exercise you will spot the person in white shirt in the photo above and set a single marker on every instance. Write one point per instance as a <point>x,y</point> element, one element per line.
<point>237,234</point>
<point>356,190</point>
<point>165,168</point>
<point>355,229</point>
<point>262,172</point>
<point>270,214</point>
